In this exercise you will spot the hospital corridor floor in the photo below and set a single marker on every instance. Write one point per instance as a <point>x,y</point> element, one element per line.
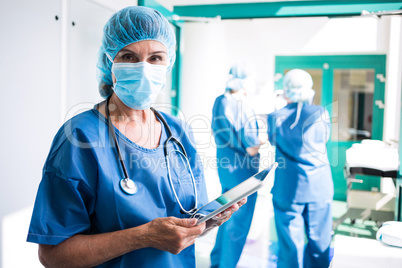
<point>261,247</point>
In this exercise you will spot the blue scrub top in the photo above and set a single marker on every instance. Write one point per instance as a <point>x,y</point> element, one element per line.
<point>304,173</point>
<point>80,192</point>
<point>234,128</point>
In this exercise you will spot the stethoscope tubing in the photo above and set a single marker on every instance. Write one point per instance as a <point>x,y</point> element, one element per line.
<point>191,211</point>
<point>111,130</point>
<point>126,181</point>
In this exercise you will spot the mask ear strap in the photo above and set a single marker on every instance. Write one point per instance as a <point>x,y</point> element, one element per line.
<point>109,57</point>
<point>298,112</point>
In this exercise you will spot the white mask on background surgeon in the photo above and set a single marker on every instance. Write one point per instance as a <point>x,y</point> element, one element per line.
<point>138,84</point>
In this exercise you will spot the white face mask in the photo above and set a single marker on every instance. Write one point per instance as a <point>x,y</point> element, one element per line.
<point>138,84</point>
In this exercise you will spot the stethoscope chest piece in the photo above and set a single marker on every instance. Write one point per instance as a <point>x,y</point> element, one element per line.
<point>128,186</point>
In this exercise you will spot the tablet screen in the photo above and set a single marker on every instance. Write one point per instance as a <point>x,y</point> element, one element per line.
<point>234,195</point>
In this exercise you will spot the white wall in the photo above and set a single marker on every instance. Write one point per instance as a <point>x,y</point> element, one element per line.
<point>393,79</point>
<point>204,75</point>
<point>30,74</point>
<point>84,40</point>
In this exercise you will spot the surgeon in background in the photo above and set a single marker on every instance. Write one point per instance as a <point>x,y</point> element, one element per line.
<point>303,187</point>
<point>235,131</point>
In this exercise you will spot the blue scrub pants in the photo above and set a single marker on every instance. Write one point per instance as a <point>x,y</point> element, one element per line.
<point>232,236</point>
<point>291,221</point>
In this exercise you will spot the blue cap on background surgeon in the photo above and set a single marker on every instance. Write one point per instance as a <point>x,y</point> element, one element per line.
<point>241,76</point>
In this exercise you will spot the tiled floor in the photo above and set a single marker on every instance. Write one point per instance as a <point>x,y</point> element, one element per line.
<point>261,247</point>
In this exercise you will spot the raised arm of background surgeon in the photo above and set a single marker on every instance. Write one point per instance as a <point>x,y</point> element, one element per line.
<point>260,139</point>
<point>168,234</point>
<point>263,138</point>
<point>253,150</point>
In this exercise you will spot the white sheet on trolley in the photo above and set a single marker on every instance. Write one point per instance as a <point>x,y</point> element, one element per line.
<point>373,154</point>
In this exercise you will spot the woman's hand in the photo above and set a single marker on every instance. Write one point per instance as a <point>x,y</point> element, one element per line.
<point>226,214</point>
<point>222,217</point>
<point>173,234</point>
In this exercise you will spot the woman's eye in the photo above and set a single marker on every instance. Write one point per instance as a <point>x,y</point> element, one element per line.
<point>127,57</point>
<point>156,58</point>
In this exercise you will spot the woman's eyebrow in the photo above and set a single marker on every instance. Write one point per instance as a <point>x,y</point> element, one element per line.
<point>157,52</point>
<point>124,50</point>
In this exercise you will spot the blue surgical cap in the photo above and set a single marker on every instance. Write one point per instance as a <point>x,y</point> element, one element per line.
<point>127,26</point>
<point>240,76</point>
<point>297,85</point>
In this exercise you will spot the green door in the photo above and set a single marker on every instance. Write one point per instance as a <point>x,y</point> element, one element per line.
<point>351,87</point>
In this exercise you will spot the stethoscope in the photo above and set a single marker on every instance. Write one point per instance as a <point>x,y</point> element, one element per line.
<point>128,186</point>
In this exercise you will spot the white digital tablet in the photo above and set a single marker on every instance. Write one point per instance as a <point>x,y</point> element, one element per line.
<point>234,195</point>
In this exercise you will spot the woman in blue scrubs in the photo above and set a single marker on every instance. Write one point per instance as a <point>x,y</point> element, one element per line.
<point>84,214</point>
<point>303,187</point>
<point>235,130</point>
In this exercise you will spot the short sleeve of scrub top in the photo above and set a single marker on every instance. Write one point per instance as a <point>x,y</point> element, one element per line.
<point>65,200</point>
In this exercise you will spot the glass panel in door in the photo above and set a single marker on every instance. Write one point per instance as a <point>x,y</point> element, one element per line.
<point>353,91</point>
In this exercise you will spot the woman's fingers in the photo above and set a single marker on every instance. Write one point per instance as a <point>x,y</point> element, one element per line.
<point>225,215</point>
<point>242,202</point>
<point>173,234</point>
<point>190,225</point>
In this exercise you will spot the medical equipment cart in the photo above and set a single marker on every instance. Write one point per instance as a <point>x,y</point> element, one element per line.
<point>372,158</point>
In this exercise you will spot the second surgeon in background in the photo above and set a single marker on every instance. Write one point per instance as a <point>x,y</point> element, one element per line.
<point>235,131</point>
<point>303,188</point>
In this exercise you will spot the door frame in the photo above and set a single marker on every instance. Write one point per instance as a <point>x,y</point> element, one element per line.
<point>328,63</point>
